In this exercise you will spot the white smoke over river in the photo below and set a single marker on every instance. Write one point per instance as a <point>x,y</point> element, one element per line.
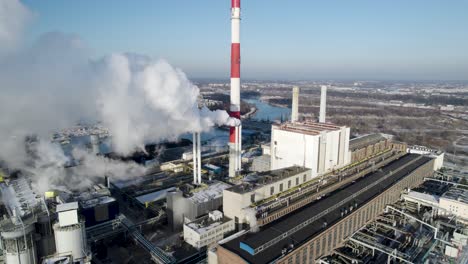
<point>54,83</point>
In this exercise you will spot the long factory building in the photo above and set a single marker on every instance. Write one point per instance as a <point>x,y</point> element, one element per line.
<point>304,235</point>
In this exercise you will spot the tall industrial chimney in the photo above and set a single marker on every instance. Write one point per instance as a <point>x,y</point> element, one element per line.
<point>323,103</point>
<point>235,132</point>
<point>295,104</point>
<point>196,158</point>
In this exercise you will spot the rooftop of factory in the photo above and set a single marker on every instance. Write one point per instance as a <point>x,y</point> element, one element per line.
<point>207,222</point>
<point>99,194</point>
<point>424,196</point>
<point>307,127</point>
<point>432,188</point>
<point>155,196</point>
<point>259,179</point>
<point>457,194</point>
<point>286,223</point>
<point>208,192</point>
<point>19,197</point>
<point>364,141</point>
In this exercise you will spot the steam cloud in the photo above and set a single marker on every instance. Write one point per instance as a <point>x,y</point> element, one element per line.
<point>54,84</point>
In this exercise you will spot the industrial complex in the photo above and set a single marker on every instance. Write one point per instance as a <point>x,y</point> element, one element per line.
<point>306,191</point>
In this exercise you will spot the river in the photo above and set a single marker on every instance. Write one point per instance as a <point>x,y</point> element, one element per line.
<point>216,137</point>
<point>265,111</point>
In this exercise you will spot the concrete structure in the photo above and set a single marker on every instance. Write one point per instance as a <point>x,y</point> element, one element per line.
<point>368,145</point>
<point>235,132</point>
<point>261,163</point>
<point>438,155</point>
<point>192,205</point>
<point>455,201</point>
<point>208,229</point>
<point>70,236</point>
<point>295,105</point>
<point>18,244</point>
<point>308,234</point>
<point>321,147</point>
<point>17,227</point>
<point>237,200</point>
<point>323,103</point>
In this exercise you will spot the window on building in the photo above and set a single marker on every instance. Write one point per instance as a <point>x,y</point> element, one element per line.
<point>272,190</point>
<point>317,247</point>
<point>311,251</point>
<point>335,237</point>
<point>252,198</point>
<point>324,244</point>
<point>289,184</point>
<point>304,178</point>
<point>281,187</point>
<point>297,181</point>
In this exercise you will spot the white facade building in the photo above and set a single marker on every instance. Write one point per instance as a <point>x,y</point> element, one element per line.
<point>320,147</point>
<point>455,201</point>
<point>237,199</point>
<point>208,229</point>
<point>436,154</point>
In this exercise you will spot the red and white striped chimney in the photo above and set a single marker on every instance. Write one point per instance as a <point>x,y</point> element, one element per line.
<point>235,132</point>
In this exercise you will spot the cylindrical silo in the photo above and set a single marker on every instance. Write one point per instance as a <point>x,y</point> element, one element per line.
<point>70,240</point>
<point>18,245</point>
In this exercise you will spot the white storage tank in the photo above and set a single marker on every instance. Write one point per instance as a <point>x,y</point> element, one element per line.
<point>18,245</point>
<point>70,240</point>
<point>69,233</point>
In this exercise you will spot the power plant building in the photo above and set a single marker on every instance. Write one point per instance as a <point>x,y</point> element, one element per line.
<point>320,147</point>
<point>238,199</point>
<point>192,205</point>
<point>304,235</point>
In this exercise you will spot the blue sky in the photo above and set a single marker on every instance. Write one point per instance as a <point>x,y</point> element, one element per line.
<point>294,39</point>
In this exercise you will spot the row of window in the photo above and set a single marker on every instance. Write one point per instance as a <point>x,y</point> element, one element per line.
<point>272,188</point>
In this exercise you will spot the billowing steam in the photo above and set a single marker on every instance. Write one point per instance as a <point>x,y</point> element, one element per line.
<point>54,84</point>
<point>13,18</point>
<point>250,216</point>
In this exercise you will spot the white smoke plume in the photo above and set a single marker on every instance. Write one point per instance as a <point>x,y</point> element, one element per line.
<point>55,83</point>
<point>13,18</point>
<point>250,216</point>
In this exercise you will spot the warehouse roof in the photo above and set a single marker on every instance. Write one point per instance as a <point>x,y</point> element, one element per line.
<point>275,229</point>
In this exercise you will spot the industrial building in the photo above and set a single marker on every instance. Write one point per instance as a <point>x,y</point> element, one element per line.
<point>411,230</point>
<point>31,230</point>
<point>310,193</point>
<point>194,203</point>
<point>318,228</point>
<point>237,200</point>
<point>320,147</point>
<point>208,229</point>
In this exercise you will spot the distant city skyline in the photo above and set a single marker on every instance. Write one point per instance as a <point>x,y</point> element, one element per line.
<point>397,40</point>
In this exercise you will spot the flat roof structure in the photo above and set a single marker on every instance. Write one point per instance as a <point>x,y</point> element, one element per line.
<point>260,179</point>
<point>206,223</point>
<point>212,191</point>
<point>154,196</point>
<point>307,127</point>
<point>364,141</point>
<point>246,245</point>
<point>457,195</point>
